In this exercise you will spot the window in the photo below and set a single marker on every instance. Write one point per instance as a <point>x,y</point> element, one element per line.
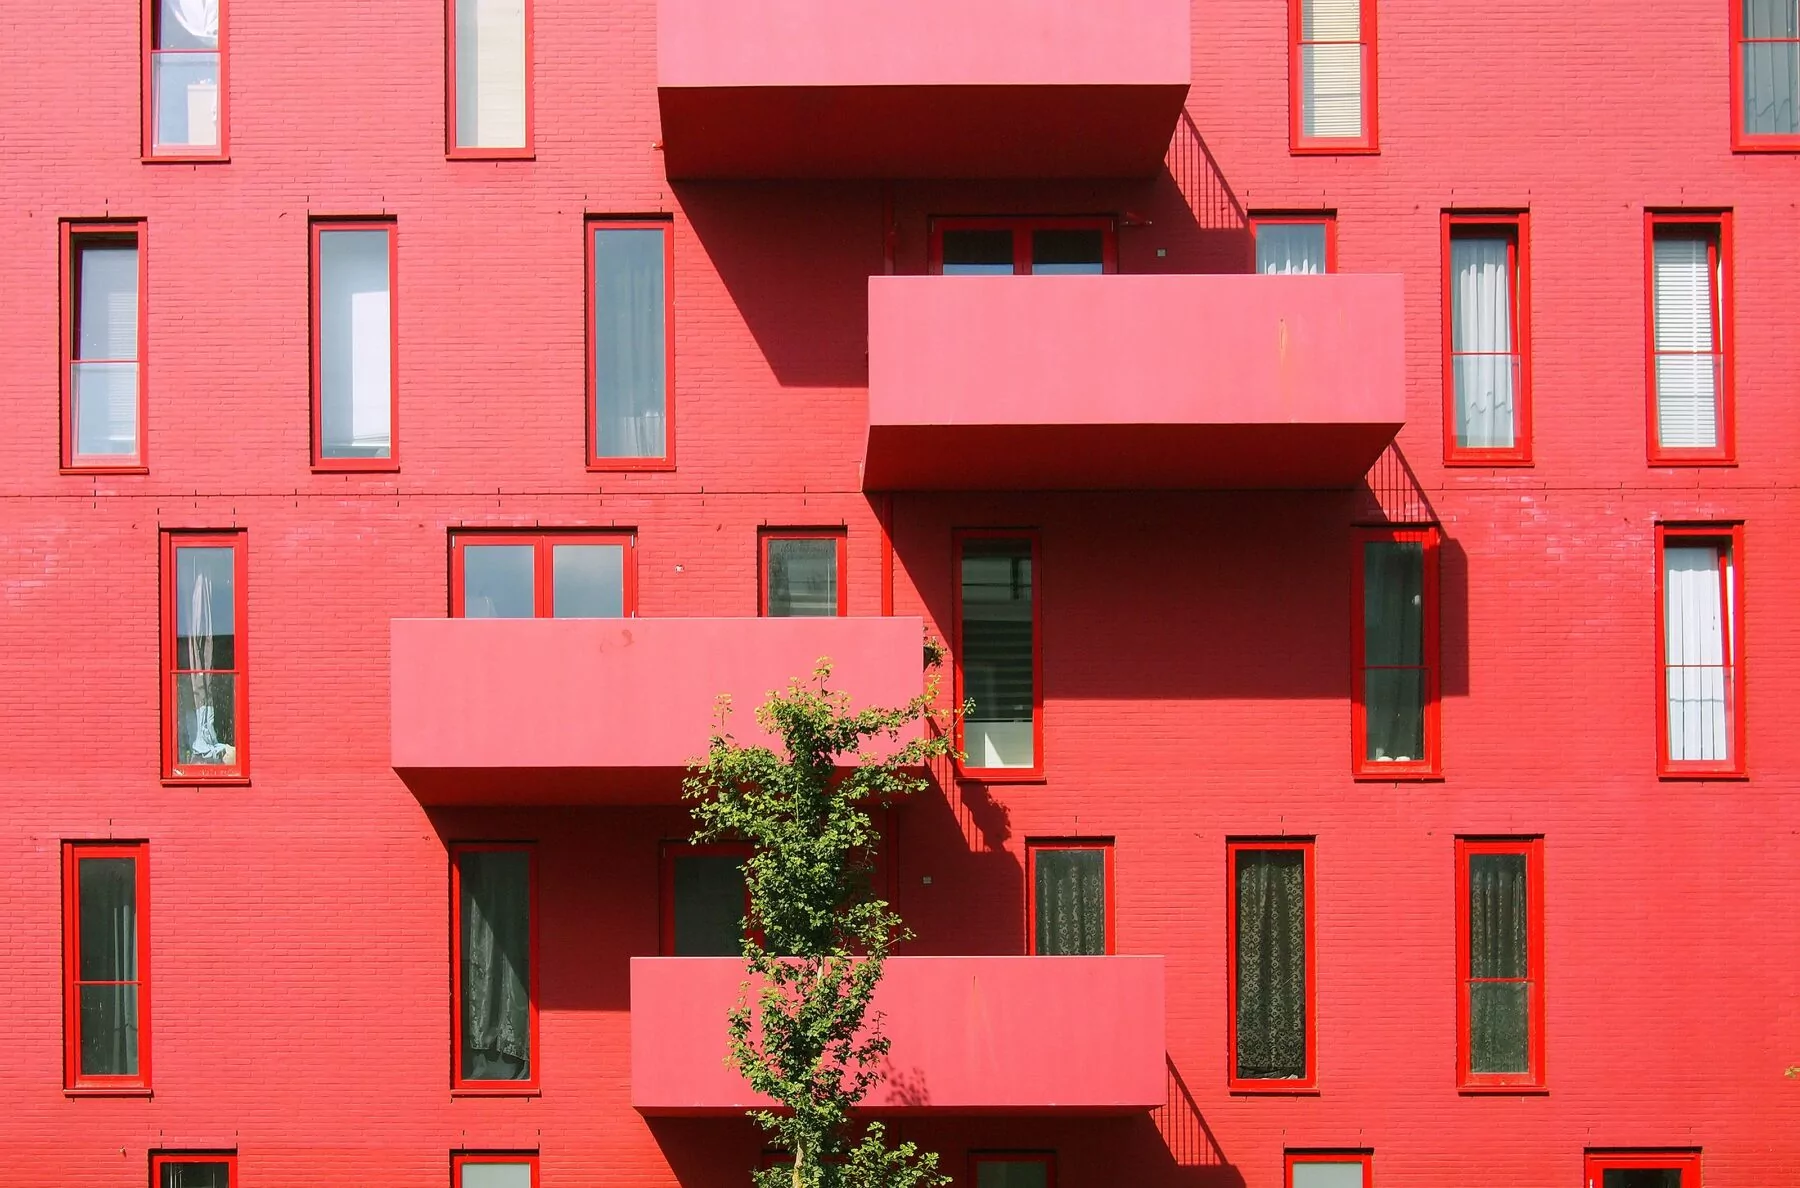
<point>801,571</point>
<point>1332,71</point>
<point>1271,986</point>
<point>103,345</point>
<point>1012,1170</point>
<point>567,575</point>
<point>353,334</point>
<point>1500,963</point>
<point>206,727</point>
<point>184,80</point>
<point>106,966</point>
<point>1700,650</point>
<point>193,1169</point>
<point>493,1169</point>
<point>1643,1169</point>
<point>1394,618</point>
<point>705,901</point>
<point>1690,337</point>
<point>631,348</point>
<point>1487,360</point>
<point>1304,244</point>
<point>1765,74</point>
<point>1329,1169</point>
<point>1071,897</point>
<point>493,898</point>
<point>490,78</point>
<point>1036,247</point>
<point>997,653</point>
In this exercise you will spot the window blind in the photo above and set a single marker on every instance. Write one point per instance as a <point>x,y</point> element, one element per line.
<point>1694,593</point>
<point>1331,69</point>
<point>1687,362</point>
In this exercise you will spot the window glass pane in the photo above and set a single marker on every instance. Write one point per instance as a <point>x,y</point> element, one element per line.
<point>1393,602</point>
<point>1641,1177</point>
<point>1328,1175</point>
<point>1481,338</point>
<point>109,1030</point>
<point>588,581</point>
<point>498,1174</point>
<point>997,652</point>
<point>1331,91</point>
<point>107,889</point>
<point>803,577</point>
<point>499,581</point>
<point>105,396</point>
<point>978,253</point>
<point>1011,1173</point>
<point>1394,713</point>
<point>1498,1040</point>
<point>1289,248</point>
<point>187,24</point>
<point>107,283</point>
<point>196,1173</point>
<point>355,345</point>
<point>495,961</point>
<point>1497,916</point>
<point>1067,252</point>
<point>630,346</point>
<point>205,695</point>
<point>1271,964</point>
<point>1771,67</point>
<point>1694,651</point>
<point>490,73</point>
<point>1070,902</point>
<point>184,74</point>
<point>1687,361</point>
<point>1330,20</point>
<point>709,905</point>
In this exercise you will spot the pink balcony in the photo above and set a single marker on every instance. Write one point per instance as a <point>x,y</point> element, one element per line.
<point>599,711</point>
<point>927,88</point>
<point>1131,382</point>
<point>1021,1035</point>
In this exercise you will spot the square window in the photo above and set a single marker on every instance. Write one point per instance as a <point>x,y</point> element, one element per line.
<point>1690,380</point>
<point>1012,1170</point>
<point>525,575</point>
<point>193,1169</point>
<point>103,345</point>
<point>205,723</point>
<point>1295,245</point>
<point>1269,916</point>
<point>705,901</point>
<point>185,78</point>
<point>1023,246</point>
<point>355,398</point>
<point>1332,70</point>
<point>1071,897</point>
<point>996,650</point>
<point>1394,629</point>
<point>490,78</point>
<point>1487,360</point>
<point>494,912</point>
<point>1500,963</point>
<point>1643,1169</point>
<point>631,345</point>
<point>1765,74</point>
<point>106,996</point>
<point>1329,1169</point>
<point>493,1169</point>
<point>803,573</point>
<point>1700,650</point>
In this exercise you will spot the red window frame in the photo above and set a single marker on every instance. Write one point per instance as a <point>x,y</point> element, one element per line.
<point>1467,1079</point>
<point>1366,1158</point>
<point>1324,218</point>
<point>459,1085</point>
<point>1310,1082</point>
<point>73,1079</point>
<point>1370,140</point>
<point>1516,227</point>
<point>543,576</point>
<point>147,98</point>
<point>1742,141</point>
<point>1430,767</point>
<point>977,1158</point>
<point>1686,1161</point>
<point>459,1158</point>
<point>1000,775</point>
<point>1729,540</point>
<point>1021,229</point>
<point>591,398</point>
<point>77,233</point>
<point>238,541</point>
<point>671,852</point>
<point>1715,228</point>
<point>391,228</point>
<point>1036,846</point>
<point>159,1158</point>
<point>765,535</point>
<point>457,152</point>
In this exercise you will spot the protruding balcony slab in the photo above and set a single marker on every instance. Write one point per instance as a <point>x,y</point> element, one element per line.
<point>1131,382</point>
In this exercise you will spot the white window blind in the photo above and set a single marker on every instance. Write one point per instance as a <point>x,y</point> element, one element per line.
<point>1481,341</point>
<point>1331,69</point>
<point>1695,596</point>
<point>356,343</point>
<point>1687,365</point>
<point>490,73</point>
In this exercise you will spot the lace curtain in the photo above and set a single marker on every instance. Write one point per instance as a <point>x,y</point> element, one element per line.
<point>496,979</point>
<point>1497,949</point>
<point>1271,964</point>
<point>1070,902</point>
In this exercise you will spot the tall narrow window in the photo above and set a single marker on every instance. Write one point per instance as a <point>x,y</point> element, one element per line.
<point>1072,246</point>
<point>1643,1169</point>
<point>803,573</point>
<point>354,372</point>
<point>106,963</point>
<point>527,575</point>
<point>205,733</point>
<point>997,653</point>
<point>494,899</point>
<point>631,347</point>
<point>1071,897</point>
<point>1009,1169</point>
<point>1271,985</point>
<point>705,902</point>
<point>490,78</point>
<point>193,1169</point>
<point>1765,74</point>
<point>184,79</point>
<point>1500,963</point>
<point>1700,650</point>
<point>1295,245</point>
<point>1332,105</point>
<point>1690,337</point>
<point>103,342</point>
<point>1487,388</point>
<point>1394,694</point>
<point>1329,1169</point>
<point>493,1169</point>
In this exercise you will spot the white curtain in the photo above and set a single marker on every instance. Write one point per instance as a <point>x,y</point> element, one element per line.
<point>1481,341</point>
<point>356,345</point>
<point>1771,67</point>
<point>105,370</point>
<point>1290,248</point>
<point>490,73</point>
<point>498,1174</point>
<point>1694,644</point>
<point>1687,378</point>
<point>198,18</point>
<point>1331,73</point>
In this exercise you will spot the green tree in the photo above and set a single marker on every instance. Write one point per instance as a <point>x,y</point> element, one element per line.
<point>817,936</point>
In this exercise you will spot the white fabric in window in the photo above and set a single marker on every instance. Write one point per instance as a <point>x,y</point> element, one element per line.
<point>1331,74</point>
<point>1687,370</point>
<point>356,344</point>
<point>1290,248</point>
<point>1481,341</point>
<point>490,73</point>
<point>1771,67</point>
<point>1328,1175</point>
<point>500,1174</point>
<point>1694,646</point>
<point>198,19</point>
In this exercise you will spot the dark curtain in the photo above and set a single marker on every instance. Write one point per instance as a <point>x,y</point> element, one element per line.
<point>1271,964</point>
<point>1071,902</point>
<point>1498,1040</point>
<point>1394,649</point>
<point>108,968</point>
<point>710,905</point>
<point>496,979</point>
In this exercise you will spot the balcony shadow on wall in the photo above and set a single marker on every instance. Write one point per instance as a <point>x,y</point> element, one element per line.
<point>709,1152</point>
<point>1194,215</point>
<point>1392,494</point>
<point>1194,1158</point>
<point>955,834</point>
